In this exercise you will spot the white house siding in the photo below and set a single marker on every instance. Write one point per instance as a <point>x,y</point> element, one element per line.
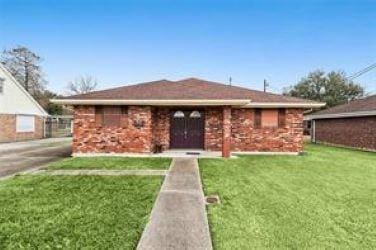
<point>16,101</point>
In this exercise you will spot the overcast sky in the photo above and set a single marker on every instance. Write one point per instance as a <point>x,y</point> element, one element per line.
<point>124,42</point>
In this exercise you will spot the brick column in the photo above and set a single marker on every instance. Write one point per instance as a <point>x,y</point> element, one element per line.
<point>226,132</point>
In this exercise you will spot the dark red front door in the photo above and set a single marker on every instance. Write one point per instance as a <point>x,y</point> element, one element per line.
<point>187,129</point>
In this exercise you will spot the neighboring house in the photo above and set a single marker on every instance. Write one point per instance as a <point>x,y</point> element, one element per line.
<point>186,114</point>
<point>21,117</point>
<point>352,124</point>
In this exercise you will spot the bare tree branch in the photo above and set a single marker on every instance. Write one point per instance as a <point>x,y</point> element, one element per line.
<point>24,65</point>
<point>82,85</point>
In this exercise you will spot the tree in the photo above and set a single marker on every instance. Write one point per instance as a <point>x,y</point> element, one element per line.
<point>332,88</point>
<point>24,65</point>
<point>51,108</point>
<point>82,85</point>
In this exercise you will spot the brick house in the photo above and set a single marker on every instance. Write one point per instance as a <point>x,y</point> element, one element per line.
<point>352,124</point>
<point>21,117</point>
<point>186,114</point>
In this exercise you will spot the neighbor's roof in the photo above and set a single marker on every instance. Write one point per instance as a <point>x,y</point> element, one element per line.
<point>188,91</point>
<point>360,107</point>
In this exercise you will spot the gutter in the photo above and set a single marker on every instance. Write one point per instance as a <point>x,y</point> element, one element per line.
<point>283,105</point>
<point>342,115</point>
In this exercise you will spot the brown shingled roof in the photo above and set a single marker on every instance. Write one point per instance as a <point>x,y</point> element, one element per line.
<point>359,105</point>
<point>187,89</point>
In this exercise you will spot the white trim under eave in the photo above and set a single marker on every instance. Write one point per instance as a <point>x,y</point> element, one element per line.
<point>342,115</point>
<point>240,102</point>
<point>283,105</point>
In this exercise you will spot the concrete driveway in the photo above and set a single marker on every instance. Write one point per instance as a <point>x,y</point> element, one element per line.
<point>22,156</point>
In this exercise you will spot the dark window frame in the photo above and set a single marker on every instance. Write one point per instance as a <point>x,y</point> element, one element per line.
<point>258,118</point>
<point>110,116</point>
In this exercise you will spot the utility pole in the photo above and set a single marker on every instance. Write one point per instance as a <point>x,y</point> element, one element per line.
<point>266,84</point>
<point>230,80</point>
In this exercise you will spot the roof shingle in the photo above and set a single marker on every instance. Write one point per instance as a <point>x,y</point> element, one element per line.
<point>359,105</point>
<point>187,89</point>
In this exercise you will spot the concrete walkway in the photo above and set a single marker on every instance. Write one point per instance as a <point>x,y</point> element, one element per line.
<point>108,172</point>
<point>178,219</point>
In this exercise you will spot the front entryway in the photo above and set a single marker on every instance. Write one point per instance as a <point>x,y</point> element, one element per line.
<point>187,129</point>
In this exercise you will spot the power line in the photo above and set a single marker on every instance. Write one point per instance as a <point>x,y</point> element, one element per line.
<point>361,72</point>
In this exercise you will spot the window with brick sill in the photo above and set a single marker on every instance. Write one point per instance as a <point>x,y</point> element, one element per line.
<point>269,118</point>
<point>110,116</point>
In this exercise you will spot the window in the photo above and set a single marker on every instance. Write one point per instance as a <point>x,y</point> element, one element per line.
<point>25,123</point>
<point>195,114</point>
<point>269,118</point>
<point>2,85</point>
<point>179,114</point>
<point>109,116</point>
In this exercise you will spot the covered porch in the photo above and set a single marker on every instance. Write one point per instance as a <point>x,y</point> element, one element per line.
<point>191,130</point>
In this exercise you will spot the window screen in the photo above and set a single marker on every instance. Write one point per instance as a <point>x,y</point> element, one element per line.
<point>25,123</point>
<point>110,116</point>
<point>269,118</point>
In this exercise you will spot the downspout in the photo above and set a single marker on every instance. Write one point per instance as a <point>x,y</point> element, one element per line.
<point>313,131</point>
<point>44,127</point>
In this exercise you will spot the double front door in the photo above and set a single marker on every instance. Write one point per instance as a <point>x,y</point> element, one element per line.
<point>187,129</point>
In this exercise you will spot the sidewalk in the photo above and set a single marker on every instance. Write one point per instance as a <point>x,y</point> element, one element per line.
<point>178,219</point>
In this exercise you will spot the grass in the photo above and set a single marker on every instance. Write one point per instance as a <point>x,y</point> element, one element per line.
<point>325,199</point>
<point>75,211</point>
<point>111,163</point>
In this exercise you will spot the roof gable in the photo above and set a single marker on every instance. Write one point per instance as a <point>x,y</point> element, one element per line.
<point>15,99</point>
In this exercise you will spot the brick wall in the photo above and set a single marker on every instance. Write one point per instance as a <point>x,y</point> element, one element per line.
<point>247,138</point>
<point>156,130</point>
<point>288,138</point>
<point>90,138</point>
<point>8,129</point>
<point>213,129</point>
<point>161,127</point>
<point>357,132</point>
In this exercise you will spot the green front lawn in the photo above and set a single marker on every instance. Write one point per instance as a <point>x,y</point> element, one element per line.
<point>325,199</point>
<point>111,163</point>
<point>92,212</point>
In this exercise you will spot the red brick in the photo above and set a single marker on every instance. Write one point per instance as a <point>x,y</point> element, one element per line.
<point>8,131</point>
<point>156,130</point>
<point>357,132</point>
